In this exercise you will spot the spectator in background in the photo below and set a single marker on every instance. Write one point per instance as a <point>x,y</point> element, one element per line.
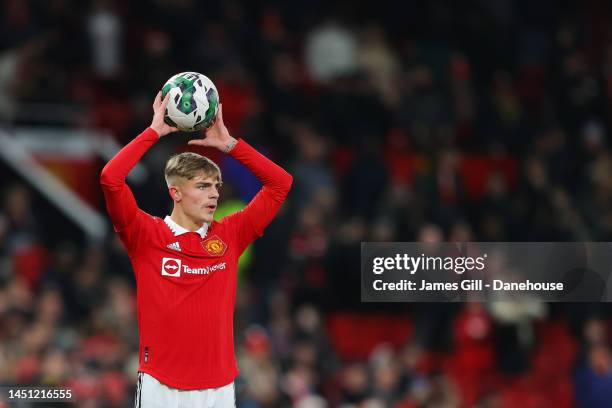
<point>424,110</point>
<point>105,37</point>
<point>443,190</point>
<point>514,332</point>
<point>311,171</point>
<point>20,68</point>
<point>379,61</point>
<point>593,378</point>
<point>330,52</point>
<point>354,384</point>
<point>17,225</point>
<point>20,240</point>
<point>258,369</point>
<point>365,180</point>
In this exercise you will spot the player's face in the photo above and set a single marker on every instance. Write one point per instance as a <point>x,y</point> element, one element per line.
<point>199,197</point>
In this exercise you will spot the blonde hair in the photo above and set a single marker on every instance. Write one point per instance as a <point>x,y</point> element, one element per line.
<point>187,165</point>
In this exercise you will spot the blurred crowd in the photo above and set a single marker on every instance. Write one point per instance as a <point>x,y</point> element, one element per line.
<point>399,120</point>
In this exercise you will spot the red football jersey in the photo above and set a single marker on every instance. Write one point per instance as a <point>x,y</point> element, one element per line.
<point>186,281</point>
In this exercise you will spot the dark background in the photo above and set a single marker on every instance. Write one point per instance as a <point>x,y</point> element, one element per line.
<point>399,120</point>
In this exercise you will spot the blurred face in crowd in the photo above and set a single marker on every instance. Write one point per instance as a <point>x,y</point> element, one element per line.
<point>600,359</point>
<point>17,203</point>
<point>197,197</point>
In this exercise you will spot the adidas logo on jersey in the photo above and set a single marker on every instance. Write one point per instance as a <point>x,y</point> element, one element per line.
<point>175,246</point>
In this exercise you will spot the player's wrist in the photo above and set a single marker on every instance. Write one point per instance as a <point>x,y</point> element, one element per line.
<point>228,144</point>
<point>158,131</point>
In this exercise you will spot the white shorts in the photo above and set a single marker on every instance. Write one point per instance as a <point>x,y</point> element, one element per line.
<point>150,393</point>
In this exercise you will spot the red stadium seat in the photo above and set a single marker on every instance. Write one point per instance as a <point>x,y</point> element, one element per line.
<point>355,335</point>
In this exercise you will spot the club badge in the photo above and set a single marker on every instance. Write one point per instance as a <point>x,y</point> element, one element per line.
<point>214,246</point>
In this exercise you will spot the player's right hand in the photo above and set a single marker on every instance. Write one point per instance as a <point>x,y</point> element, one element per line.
<point>159,111</point>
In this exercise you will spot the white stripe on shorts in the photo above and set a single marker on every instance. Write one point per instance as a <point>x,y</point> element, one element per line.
<point>138,388</point>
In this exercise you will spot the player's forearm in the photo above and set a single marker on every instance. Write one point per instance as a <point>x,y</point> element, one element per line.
<point>120,201</point>
<point>272,176</point>
<point>265,205</point>
<point>116,170</point>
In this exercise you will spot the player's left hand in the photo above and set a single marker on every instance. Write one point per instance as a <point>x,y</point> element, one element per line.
<point>159,110</point>
<point>216,136</point>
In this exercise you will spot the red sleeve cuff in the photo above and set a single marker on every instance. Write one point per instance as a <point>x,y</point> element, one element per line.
<point>151,133</point>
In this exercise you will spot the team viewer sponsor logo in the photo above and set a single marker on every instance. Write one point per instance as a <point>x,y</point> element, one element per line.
<point>205,270</point>
<point>171,267</point>
<point>214,246</point>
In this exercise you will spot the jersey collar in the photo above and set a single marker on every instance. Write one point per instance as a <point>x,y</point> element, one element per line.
<point>178,230</point>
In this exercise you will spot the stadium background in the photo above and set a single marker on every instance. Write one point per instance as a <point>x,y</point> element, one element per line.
<point>400,121</point>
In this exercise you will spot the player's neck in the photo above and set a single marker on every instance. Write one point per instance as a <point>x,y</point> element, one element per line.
<point>181,219</point>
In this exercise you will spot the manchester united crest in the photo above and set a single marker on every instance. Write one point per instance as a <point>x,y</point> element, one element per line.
<point>214,246</point>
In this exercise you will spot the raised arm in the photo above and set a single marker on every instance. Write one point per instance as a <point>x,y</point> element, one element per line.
<point>253,219</point>
<point>276,184</point>
<point>120,200</point>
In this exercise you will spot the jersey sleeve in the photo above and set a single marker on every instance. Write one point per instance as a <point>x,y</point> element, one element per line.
<point>127,218</point>
<point>250,222</point>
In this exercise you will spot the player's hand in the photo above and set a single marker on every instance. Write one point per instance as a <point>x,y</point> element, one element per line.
<point>159,111</point>
<point>216,136</point>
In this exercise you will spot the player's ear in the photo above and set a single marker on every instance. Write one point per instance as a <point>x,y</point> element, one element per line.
<point>175,194</point>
